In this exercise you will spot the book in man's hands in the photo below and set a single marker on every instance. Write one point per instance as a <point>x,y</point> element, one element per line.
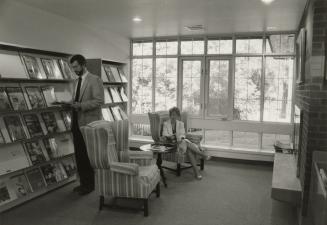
<point>4,100</point>
<point>14,127</point>
<point>33,125</point>
<point>34,152</point>
<point>35,96</point>
<point>16,98</point>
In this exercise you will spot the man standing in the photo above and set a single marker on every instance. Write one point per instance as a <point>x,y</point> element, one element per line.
<point>87,100</point>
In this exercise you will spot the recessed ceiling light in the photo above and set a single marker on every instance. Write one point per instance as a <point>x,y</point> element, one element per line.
<point>271,28</point>
<point>137,19</point>
<point>198,27</point>
<point>267,1</point>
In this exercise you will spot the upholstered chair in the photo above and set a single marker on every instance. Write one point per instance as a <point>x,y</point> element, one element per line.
<point>157,120</point>
<point>119,172</point>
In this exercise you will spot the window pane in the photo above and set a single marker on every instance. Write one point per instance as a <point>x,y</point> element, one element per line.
<point>218,87</point>
<point>280,43</point>
<point>192,47</point>
<point>247,88</point>
<point>141,129</point>
<point>278,89</point>
<point>249,45</point>
<point>268,140</point>
<point>245,140</point>
<point>220,46</point>
<point>142,85</point>
<point>166,83</point>
<point>191,86</point>
<point>217,137</point>
<point>142,48</point>
<point>166,48</point>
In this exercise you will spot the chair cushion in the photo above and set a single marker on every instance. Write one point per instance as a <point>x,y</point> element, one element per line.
<point>148,173</point>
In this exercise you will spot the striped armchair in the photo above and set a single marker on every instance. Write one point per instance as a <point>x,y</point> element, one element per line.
<point>157,120</point>
<point>118,171</point>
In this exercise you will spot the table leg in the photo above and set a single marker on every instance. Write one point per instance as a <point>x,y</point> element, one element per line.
<point>159,163</point>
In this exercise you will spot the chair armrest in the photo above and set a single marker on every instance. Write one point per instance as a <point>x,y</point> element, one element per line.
<point>140,155</point>
<point>124,168</point>
<point>194,138</point>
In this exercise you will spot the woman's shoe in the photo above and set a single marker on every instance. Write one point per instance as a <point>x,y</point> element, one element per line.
<point>199,177</point>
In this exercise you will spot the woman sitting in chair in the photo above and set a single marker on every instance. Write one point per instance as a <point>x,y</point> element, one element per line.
<point>174,131</point>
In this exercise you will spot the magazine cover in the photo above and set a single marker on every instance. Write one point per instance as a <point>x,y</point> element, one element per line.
<point>67,116</point>
<point>49,174</point>
<point>107,96</point>
<point>13,158</point>
<point>115,95</point>
<point>122,75</point>
<point>69,166</point>
<point>115,73</point>
<point>59,172</point>
<point>20,185</point>
<point>65,69</point>
<point>16,98</point>
<point>115,113</point>
<point>4,100</point>
<point>14,127</point>
<point>50,122</point>
<point>35,178</point>
<point>122,113</point>
<point>33,125</point>
<point>110,76</point>
<point>123,95</point>
<point>106,114</point>
<point>48,67</point>
<point>35,96</point>
<point>49,95</point>
<point>6,194</point>
<point>33,68</point>
<point>51,147</point>
<point>34,151</point>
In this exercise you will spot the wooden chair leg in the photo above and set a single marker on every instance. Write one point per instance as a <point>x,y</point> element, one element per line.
<point>178,171</point>
<point>101,202</point>
<point>158,190</point>
<point>201,164</point>
<point>146,207</point>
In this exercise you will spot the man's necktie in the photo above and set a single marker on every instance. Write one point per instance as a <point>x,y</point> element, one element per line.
<point>78,89</point>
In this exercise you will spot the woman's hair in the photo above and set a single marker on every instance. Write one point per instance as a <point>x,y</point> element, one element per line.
<point>174,110</point>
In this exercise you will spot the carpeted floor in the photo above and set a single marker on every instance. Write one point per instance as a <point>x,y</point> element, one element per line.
<point>230,194</point>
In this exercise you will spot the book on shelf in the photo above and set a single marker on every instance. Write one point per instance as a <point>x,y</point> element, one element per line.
<point>49,173</point>
<point>122,75</point>
<point>66,70</point>
<point>104,76</point>
<point>59,171</point>
<point>51,69</point>
<point>51,147</point>
<point>4,100</point>
<point>67,117</point>
<point>116,113</point>
<point>69,166</point>
<point>36,179</point>
<point>12,158</point>
<point>123,94</point>
<point>49,95</point>
<point>35,97</point>
<point>107,96</point>
<point>115,95</point>
<point>33,125</point>
<point>15,127</point>
<point>16,98</point>
<point>122,113</point>
<point>6,193</point>
<point>115,73</point>
<point>50,122</point>
<point>32,67</point>
<point>110,76</point>
<point>34,152</point>
<point>106,114</point>
<point>19,184</point>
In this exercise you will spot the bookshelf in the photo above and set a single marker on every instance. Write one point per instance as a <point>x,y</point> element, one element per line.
<point>36,145</point>
<point>115,81</point>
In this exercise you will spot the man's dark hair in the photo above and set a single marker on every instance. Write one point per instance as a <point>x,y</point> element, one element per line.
<point>176,110</point>
<point>79,58</point>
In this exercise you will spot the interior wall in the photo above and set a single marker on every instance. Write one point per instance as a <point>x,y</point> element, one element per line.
<point>24,25</point>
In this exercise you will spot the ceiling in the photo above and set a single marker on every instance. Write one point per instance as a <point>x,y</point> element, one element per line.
<point>169,17</point>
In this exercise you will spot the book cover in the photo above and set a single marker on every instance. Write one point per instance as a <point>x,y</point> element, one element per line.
<point>106,114</point>
<point>116,113</point>
<point>69,166</point>
<point>35,178</point>
<point>115,73</point>
<point>15,127</point>
<point>51,69</point>
<point>110,76</point>
<point>122,75</point>
<point>65,69</point>
<point>20,185</point>
<point>6,195</point>
<point>16,98</point>
<point>34,152</point>
<point>51,147</point>
<point>4,100</point>
<point>32,67</point>
<point>59,172</point>
<point>122,113</point>
<point>67,117</point>
<point>115,95</point>
<point>50,122</point>
<point>123,94</point>
<point>49,95</point>
<point>107,96</point>
<point>33,125</point>
<point>35,96</point>
<point>48,172</point>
